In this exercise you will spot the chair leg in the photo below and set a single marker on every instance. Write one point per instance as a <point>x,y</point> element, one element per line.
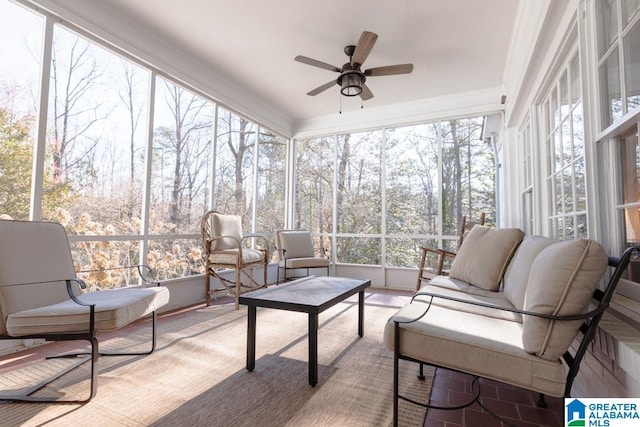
<point>396,373</point>
<point>238,286</point>
<point>421,376</point>
<point>541,403</point>
<point>207,287</point>
<point>93,385</point>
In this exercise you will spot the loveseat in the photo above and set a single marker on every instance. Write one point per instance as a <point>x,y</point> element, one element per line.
<point>509,310</point>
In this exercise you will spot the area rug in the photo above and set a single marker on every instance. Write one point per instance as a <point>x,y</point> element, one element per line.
<point>197,375</point>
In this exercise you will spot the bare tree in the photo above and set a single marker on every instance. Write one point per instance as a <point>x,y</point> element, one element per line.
<point>73,77</point>
<point>186,110</point>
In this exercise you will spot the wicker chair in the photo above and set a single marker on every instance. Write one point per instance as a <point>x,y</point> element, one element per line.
<point>428,270</point>
<point>226,248</point>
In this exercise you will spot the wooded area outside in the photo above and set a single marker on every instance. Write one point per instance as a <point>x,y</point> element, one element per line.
<point>123,194</point>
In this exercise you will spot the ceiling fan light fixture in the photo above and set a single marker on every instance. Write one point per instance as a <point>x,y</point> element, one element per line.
<point>351,83</point>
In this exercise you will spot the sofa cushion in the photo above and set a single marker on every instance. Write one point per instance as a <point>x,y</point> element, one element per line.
<point>477,344</point>
<point>480,301</point>
<point>484,256</point>
<point>226,225</point>
<point>562,280</point>
<point>516,276</point>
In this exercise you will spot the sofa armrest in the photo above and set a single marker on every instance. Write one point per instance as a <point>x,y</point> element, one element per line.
<point>431,296</point>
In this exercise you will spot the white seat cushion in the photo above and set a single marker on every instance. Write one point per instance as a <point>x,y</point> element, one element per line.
<point>305,263</point>
<point>485,346</point>
<point>115,308</point>
<point>230,256</point>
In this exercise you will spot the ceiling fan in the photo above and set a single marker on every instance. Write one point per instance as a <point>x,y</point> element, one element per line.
<point>352,79</point>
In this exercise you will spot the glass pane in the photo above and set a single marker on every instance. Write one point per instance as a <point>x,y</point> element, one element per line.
<point>610,96</point>
<point>314,185</point>
<point>234,166</point>
<point>557,151</point>
<point>359,204</point>
<point>359,250</point>
<point>272,161</point>
<point>576,91</point>
<point>557,193</point>
<point>607,24</point>
<point>412,180</point>
<point>96,263</point>
<point>96,139</point>
<point>630,169</point>
<point>564,95</point>
<point>629,9</point>
<point>567,183</point>
<point>578,132</point>
<point>567,150</point>
<point>558,228</point>
<point>582,231</point>
<point>569,229</point>
<point>20,53</point>
<point>468,173</point>
<point>632,223</point>
<point>181,158</point>
<point>632,67</point>
<point>580,183</point>
<point>431,259</point>
<point>173,258</point>
<point>403,252</point>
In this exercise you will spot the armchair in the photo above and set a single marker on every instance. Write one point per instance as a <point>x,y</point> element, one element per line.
<point>426,270</point>
<point>226,248</point>
<point>295,251</point>
<point>41,298</point>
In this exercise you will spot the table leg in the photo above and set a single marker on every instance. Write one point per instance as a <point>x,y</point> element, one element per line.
<point>313,349</point>
<point>361,313</point>
<point>251,338</point>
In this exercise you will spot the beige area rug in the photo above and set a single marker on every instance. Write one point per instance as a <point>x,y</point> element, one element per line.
<point>197,375</point>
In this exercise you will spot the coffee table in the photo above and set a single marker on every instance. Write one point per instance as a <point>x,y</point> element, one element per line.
<point>311,295</point>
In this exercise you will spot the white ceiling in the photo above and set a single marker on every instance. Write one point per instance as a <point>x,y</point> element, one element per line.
<point>456,46</point>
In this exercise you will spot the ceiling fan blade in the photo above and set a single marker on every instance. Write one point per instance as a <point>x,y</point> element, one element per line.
<point>389,70</point>
<point>322,88</point>
<point>316,63</point>
<point>366,93</point>
<point>364,46</point>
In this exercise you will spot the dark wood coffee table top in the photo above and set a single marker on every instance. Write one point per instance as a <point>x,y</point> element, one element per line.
<point>312,294</point>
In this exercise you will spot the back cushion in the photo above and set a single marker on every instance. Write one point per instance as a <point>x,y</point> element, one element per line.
<point>516,276</point>
<point>562,280</point>
<point>297,244</point>
<point>484,256</point>
<point>36,254</point>
<point>226,225</point>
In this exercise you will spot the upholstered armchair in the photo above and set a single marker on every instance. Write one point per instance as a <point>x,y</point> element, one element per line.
<point>41,298</point>
<point>295,252</point>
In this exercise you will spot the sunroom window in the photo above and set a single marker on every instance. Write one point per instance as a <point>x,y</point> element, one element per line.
<point>618,48</point>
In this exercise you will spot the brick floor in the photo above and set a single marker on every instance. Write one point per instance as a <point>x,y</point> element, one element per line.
<point>515,406</point>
